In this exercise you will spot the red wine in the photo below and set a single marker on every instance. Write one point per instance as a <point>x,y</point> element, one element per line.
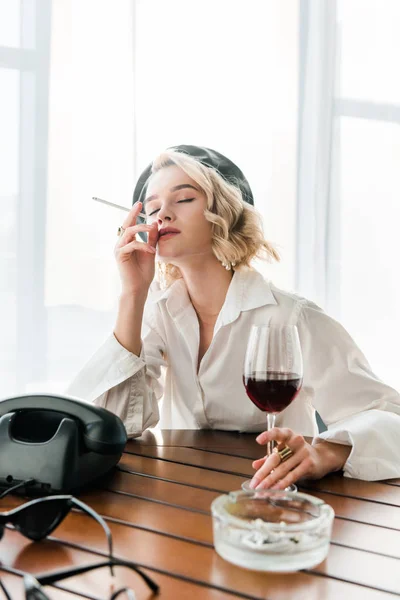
<point>271,391</point>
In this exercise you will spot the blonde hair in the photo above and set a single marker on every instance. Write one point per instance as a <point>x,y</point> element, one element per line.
<point>237,233</point>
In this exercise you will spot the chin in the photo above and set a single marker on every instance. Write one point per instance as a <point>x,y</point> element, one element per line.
<point>166,254</point>
<point>181,254</point>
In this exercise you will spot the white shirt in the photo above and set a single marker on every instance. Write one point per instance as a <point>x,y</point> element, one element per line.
<point>358,409</point>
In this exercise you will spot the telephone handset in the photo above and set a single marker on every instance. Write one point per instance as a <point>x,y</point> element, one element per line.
<point>63,443</point>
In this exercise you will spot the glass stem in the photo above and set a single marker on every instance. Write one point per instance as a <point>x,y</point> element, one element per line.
<point>270,425</point>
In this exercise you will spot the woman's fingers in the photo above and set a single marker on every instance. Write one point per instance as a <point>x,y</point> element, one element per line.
<point>132,215</point>
<point>271,469</point>
<point>296,442</point>
<point>280,472</point>
<point>279,434</point>
<point>130,233</point>
<point>271,462</point>
<point>256,464</point>
<point>304,468</point>
<point>132,228</point>
<point>153,235</point>
<point>133,246</point>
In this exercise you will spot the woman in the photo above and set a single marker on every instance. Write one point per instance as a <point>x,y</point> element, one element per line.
<point>195,320</point>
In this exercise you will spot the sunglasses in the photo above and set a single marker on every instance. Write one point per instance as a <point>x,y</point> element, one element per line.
<point>37,519</point>
<point>34,590</point>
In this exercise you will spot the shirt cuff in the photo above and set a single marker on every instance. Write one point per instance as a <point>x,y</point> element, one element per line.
<point>373,436</point>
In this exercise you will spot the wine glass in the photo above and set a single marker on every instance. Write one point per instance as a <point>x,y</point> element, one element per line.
<point>273,372</point>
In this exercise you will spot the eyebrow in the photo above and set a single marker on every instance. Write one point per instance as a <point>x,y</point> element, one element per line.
<point>181,186</point>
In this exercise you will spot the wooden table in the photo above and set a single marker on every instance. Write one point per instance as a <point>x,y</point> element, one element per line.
<point>157,505</point>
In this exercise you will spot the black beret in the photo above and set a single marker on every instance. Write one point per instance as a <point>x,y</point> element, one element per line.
<point>210,158</point>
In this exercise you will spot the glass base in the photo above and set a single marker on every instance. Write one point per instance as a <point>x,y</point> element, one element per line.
<point>246,487</point>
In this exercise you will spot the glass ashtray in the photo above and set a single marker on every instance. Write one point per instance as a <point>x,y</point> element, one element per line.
<point>272,530</point>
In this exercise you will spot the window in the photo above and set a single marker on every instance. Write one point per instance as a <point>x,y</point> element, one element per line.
<point>350,169</point>
<point>366,160</point>
<point>88,102</point>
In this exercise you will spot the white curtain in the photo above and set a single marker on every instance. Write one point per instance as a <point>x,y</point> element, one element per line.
<point>349,157</point>
<point>316,80</point>
<point>91,90</point>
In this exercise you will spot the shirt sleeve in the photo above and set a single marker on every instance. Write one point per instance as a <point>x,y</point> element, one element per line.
<point>126,384</point>
<point>357,407</point>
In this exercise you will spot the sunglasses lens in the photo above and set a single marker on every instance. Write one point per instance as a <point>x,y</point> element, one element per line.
<point>39,520</point>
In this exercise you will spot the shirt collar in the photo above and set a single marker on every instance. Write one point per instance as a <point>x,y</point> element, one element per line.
<point>176,297</point>
<point>248,290</point>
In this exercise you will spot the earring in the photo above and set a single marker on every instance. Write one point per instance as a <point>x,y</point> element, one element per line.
<point>228,266</point>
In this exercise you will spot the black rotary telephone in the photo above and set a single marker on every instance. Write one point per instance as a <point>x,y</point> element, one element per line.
<point>61,442</point>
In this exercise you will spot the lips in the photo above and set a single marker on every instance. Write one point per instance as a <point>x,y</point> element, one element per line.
<point>167,232</point>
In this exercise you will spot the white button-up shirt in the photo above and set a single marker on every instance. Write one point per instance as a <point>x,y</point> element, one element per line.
<point>163,385</point>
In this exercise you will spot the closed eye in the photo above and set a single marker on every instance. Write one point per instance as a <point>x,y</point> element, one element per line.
<point>179,201</point>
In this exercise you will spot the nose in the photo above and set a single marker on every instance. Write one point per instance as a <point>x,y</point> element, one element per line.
<point>164,214</point>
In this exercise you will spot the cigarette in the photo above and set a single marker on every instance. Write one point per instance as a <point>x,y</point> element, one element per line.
<point>116,206</point>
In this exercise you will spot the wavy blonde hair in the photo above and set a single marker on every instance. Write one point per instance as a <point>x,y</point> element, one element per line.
<point>237,232</point>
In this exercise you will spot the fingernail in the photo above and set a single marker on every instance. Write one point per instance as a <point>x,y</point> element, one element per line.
<point>252,484</point>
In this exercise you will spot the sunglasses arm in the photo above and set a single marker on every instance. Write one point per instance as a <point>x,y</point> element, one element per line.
<point>48,579</point>
<point>129,594</point>
<point>4,590</point>
<point>92,513</point>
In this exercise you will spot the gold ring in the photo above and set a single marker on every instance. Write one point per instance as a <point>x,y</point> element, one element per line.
<point>120,231</point>
<point>284,454</point>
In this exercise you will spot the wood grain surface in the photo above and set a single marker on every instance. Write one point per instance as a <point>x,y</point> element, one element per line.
<point>157,505</point>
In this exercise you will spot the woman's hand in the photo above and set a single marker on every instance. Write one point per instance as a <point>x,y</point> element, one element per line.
<point>136,259</point>
<point>311,462</point>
